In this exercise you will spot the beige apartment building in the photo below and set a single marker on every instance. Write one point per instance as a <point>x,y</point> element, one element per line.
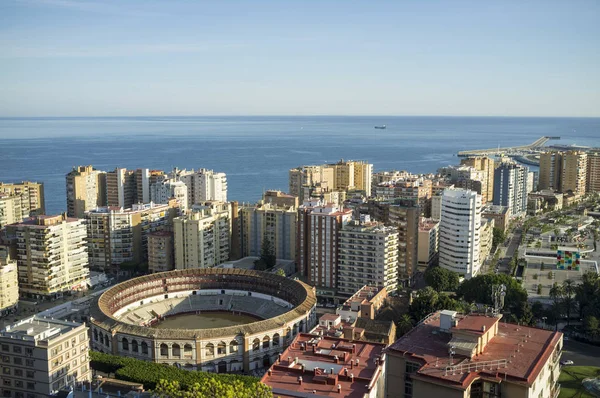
<point>319,226</point>
<point>203,237</point>
<point>161,251</point>
<point>427,243</point>
<point>465,356</point>
<point>42,355</point>
<point>574,172</point>
<point>203,185</point>
<point>86,190</point>
<point>486,238</point>
<point>368,255</point>
<point>487,166</point>
<point>116,235</point>
<point>500,214</point>
<point>31,193</point>
<point>550,171</point>
<point>9,282</point>
<point>274,219</point>
<point>342,176</point>
<point>415,188</point>
<point>52,255</point>
<point>593,172</point>
<point>10,210</point>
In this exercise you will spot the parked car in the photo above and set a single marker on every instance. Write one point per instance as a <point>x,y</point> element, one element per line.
<point>566,362</point>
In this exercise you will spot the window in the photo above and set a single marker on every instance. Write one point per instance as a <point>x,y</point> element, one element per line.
<point>233,346</point>
<point>29,351</point>
<point>19,372</point>
<point>144,347</point>
<point>30,374</point>
<point>5,347</point>
<point>6,382</point>
<point>5,359</point>
<point>408,389</point>
<point>412,367</point>
<point>30,386</point>
<point>17,349</point>
<point>134,346</point>
<point>6,370</point>
<point>125,343</point>
<point>29,363</point>
<point>210,350</point>
<point>18,383</point>
<point>82,337</point>
<point>176,350</point>
<point>164,350</point>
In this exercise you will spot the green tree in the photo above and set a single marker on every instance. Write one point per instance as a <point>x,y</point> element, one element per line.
<point>498,237</point>
<point>280,272</point>
<point>539,288</point>
<point>479,290</point>
<point>537,309</point>
<point>441,279</point>
<point>428,300</point>
<point>267,258</point>
<point>568,290</point>
<point>405,324</point>
<point>542,266</point>
<point>591,326</point>
<point>587,295</point>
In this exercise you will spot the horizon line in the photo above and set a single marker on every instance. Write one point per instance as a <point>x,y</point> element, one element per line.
<point>303,115</point>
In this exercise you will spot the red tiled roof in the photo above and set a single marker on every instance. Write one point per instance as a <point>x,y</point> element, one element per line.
<point>525,350</point>
<point>284,374</point>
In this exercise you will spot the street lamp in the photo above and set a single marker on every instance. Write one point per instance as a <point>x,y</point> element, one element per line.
<point>544,320</point>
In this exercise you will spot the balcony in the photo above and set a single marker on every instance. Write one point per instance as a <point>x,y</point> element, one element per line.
<point>555,392</point>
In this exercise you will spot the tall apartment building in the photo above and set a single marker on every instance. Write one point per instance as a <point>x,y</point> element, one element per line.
<point>52,255</point>
<point>486,165</point>
<point>368,255</point>
<point>161,251</point>
<point>427,243</point>
<point>319,225</point>
<point>165,190</point>
<point>43,355</point>
<point>486,238</point>
<point>203,185</point>
<point>459,239</point>
<point>9,282</point>
<point>341,176</point>
<point>10,210</point>
<point>203,237</point>
<point>564,171</point>
<point>31,193</point>
<point>468,177</point>
<point>593,172</point>
<point>511,187</point>
<point>387,177</point>
<point>415,188</point>
<point>574,172</point>
<point>117,235</point>
<point>461,356</point>
<point>86,190</point>
<point>120,188</point>
<point>550,171</point>
<point>404,216</point>
<point>274,218</point>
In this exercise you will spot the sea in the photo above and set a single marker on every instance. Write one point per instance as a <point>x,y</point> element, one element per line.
<point>256,152</point>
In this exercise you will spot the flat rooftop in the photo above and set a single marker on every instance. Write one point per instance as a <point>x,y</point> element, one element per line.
<point>516,352</point>
<point>363,295</point>
<point>37,328</point>
<point>312,357</point>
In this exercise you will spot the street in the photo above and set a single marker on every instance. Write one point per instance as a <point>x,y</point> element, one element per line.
<point>580,353</point>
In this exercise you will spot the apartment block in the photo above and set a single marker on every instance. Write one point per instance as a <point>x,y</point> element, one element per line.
<point>161,251</point>
<point>486,238</point>
<point>120,188</point>
<point>415,188</point>
<point>31,193</point>
<point>403,215</point>
<point>550,171</point>
<point>511,187</point>
<point>9,282</point>
<point>202,184</point>
<point>500,214</point>
<point>487,166</point>
<point>164,190</point>
<point>42,355</point>
<point>86,190</point>
<point>117,235</point>
<point>52,255</point>
<point>460,232</point>
<point>574,172</point>
<point>427,253</point>
<point>341,176</point>
<point>368,255</point>
<point>593,172</point>
<point>10,210</point>
<point>274,220</point>
<point>460,356</point>
<point>319,226</point>
<point>203,237</point>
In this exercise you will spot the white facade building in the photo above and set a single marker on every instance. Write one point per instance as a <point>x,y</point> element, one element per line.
<point>459,232</point>
<point>202,185</point>
<point>162,191</point>
<point>368,255</point>
<point>9,283</point>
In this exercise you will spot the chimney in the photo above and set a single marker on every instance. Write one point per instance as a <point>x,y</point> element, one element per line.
<point>290,359</point>
<point>270,372</point>
<point>345,371</point>
<point>483,328</point>
<point>339,388</point>
<point>331,371</point>
<point>351,377</point>
<point>279,357</point>
<point>357,360</point>
<point>300,380</point>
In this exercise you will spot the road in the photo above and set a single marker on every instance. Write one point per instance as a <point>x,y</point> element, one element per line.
<point>514,240</point>
<point>581,354</point>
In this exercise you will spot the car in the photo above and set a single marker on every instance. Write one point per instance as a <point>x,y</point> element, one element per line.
<point>566,362</point>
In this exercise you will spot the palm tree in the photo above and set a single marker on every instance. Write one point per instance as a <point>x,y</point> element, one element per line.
<point>405,324</point>
<point>556,294</point>
<point>568,290</point>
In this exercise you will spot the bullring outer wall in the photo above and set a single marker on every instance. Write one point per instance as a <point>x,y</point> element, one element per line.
<point>240,348</point>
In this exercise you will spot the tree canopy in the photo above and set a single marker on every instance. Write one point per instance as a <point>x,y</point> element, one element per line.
<point>441,279</point>
<point>479,290</point>
<point>267,258</point>
<point>428,300</point>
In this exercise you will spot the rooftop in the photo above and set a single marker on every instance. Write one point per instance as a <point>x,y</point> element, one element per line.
<point>515,352</point>
<point>363,295</point>
<point>323,364</point>
<point>37,328</point>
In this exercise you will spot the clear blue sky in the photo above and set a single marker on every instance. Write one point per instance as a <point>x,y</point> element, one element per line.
<point>105,57</point>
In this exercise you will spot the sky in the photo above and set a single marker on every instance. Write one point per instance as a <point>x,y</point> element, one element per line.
<point>148,58</point>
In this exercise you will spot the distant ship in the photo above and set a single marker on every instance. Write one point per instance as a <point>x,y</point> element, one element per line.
<point>383,127</point>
